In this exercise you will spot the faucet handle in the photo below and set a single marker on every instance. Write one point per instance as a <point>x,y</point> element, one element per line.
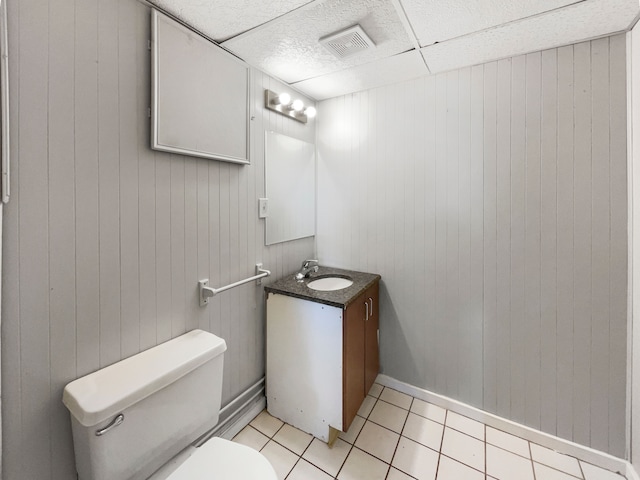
<point>310,263</point>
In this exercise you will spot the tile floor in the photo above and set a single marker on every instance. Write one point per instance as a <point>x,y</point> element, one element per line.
<point>398,437</point>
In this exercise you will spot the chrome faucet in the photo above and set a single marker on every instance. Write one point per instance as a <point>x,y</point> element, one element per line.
<point>308,266</point>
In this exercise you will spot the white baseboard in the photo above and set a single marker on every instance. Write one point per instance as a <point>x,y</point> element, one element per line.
<point>590,455</point>
<point>632,474</point>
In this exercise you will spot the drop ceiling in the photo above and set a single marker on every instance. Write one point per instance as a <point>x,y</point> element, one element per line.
<point>412,37</point>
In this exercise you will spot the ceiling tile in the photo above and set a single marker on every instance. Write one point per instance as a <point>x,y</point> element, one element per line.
<point>586,20</point>
<point>363,77</point>
<point>222,19</point>
<point>435,21</point>
<point>288,47</point>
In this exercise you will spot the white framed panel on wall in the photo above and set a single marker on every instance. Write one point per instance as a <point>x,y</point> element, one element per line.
<point>199,95</point>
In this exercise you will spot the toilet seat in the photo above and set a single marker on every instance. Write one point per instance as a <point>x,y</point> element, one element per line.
<point>221,459</point>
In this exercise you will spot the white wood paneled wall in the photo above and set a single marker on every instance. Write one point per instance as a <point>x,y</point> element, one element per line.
<point>105,239</point>
<point>493,202</point>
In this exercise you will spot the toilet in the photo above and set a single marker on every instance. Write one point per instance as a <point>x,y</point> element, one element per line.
<point>141,415</point>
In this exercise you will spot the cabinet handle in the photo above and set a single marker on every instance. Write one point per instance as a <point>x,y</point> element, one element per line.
<point>367,317</point>
<point>371,309</point>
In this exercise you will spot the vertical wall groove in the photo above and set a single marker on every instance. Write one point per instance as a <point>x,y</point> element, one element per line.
<point>532,224</point>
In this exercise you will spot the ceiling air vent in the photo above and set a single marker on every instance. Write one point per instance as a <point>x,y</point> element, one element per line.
<point>347,42</point>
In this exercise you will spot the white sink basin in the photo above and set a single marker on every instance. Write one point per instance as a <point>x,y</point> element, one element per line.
<point>327,284</point>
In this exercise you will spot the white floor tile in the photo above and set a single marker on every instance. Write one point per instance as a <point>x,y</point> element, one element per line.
<point>367,406</point>
<point>463,448</point>
<point>505,465</point>
<point>449,469</point>
<point>547,473</point>
<point>361,465</point>
<point>396,398</point>
<point>378,441</point>
<point>591,472</point>
<point>388,416</point>
<point>509,442</point>
<point>292,438</point>
<point>305,471</point>
<point>409,433</point>
<point>428,410</point>
<point>266,424</point>
<point>328,459</point>
<point>424,431</point>
<point>376,390</point>
<point>465,425</point>
<point>416,460</point>
<point>354,429</point>
<point>395,474</point>
<point>556,460</point>
<point>250,437</point>
<point>281,459</point>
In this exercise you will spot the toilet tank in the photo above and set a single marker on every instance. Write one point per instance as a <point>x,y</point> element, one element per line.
<point>167,396</point>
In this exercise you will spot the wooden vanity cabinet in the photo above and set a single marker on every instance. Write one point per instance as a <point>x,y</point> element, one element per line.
<point>353,354</point>
<point>360,351</point>
<point>371,337</point>
<point>321,360</point>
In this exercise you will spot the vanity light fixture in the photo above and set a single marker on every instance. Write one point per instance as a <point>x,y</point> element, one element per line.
<point>297,105</point>
<point>282,99</point>
<point>281,103</point>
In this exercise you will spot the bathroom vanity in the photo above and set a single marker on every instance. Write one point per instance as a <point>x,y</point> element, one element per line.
<point>322,349</point>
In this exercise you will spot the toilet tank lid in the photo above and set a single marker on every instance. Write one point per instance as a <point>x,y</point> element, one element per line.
<point>99,396</point>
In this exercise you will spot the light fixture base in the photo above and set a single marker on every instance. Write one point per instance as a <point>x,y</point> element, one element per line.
<point>271,102</point>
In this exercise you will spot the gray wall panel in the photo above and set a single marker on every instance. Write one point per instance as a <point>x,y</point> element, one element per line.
<point>618,252</point>
<point>548,240</point>
<point>532,266</point>
<point>111,237</point>
<point>506,213</point>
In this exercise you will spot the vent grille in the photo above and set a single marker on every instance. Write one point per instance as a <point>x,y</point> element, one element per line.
<point>347,42</point>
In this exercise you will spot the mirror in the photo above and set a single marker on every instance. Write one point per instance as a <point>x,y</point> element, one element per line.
<point>290,175</point>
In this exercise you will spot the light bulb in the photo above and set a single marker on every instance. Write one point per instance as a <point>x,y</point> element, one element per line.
<point>297,105</point>
<point>310,112</point>
<point>284,99</point>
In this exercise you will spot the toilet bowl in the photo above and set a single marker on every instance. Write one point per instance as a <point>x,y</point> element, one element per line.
<point>137,416</point>
<point>228,460</point>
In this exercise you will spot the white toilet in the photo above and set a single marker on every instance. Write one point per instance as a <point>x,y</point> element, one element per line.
<point>131,418</point>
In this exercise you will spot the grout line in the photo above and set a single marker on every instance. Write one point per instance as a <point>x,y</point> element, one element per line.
<point>461,463</point>
<point>580,467</point>
<point>400,434</point>
<point>509,451</point>
<point>485,450</point>
<point>533,468</point>
<point>300,457</point>
<point>559,471</point>
<point>351,447</point>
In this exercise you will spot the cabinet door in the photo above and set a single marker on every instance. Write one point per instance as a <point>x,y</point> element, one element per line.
<point>353,364</point>
<point>371,354</point>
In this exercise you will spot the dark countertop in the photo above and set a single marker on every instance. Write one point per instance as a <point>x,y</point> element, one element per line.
<point>288,285</point>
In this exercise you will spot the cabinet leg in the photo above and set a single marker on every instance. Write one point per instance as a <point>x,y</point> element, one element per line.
<point>333,435</point>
